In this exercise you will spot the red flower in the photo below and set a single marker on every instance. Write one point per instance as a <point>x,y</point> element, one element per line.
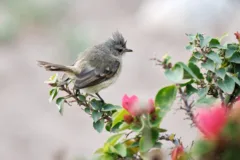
<point>210,121</point>
<point>128,119</point>
<point>237,34</point>
<point>177,153</point>
<point>132,105</point>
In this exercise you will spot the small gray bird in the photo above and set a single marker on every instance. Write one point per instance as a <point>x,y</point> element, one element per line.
<point>97,67</point>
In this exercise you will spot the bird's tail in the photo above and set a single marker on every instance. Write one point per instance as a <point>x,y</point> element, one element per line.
<point>54,67</point>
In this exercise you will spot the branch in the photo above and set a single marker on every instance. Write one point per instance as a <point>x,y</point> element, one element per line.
<point>187,107</point>
<point>171,138</point>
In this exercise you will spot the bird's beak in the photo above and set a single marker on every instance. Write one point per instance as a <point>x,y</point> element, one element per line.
<point>128,50</point>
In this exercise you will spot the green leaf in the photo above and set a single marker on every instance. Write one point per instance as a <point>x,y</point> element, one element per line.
<point>53,93</point>
<point>214,57</point>
<point>52,79</point>
<point>206,100</point>
<point>236,80</point>
<point>190,90</point>
<point>165,98</point>
<point>114,139</point>
<point>227,85</point>
<point>175,74</point>
<point>118,116</point>
<point>235,58</point>
<point>189,47</point>
<point>209,65</point>
<point>214,43</point>
<point>202,92</point>
<point>110,107</point>
<point>87,110</point>
<point>187,69</point>
<point>99,125</point>
<point>106,157</point>
<point>96,115</point>
<point>204,41</point>
<point>202,147</point>
<point>195,70</point>
<point>191,37</point>
<point>82,98</point>
<point>60,103</point>
<point>193,59</point>
<point>197,55</point>
<point>148,139</point>
<point>96,105</point>
<point>121,149</point>
<point>222,37</point>
<point>221,72</point>
<point>231,48</point>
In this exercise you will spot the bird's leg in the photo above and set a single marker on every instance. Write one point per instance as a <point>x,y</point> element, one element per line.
<point>100,98</point>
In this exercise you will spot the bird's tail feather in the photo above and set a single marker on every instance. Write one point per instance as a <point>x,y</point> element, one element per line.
<point>54,67</point>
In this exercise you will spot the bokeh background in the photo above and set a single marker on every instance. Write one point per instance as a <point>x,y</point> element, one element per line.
<point>57,30</point>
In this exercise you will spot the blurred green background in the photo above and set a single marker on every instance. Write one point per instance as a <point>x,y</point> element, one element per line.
<point>58,30</point>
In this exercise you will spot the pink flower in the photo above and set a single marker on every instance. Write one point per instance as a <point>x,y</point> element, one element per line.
<point>132,105</point>
<point>177,153</point>
<point>210,121</point>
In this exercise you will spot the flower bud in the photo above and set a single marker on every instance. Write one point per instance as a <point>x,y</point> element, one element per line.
<point>128,119</point>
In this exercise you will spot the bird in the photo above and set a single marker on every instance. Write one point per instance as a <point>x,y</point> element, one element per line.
<point>96,68</point>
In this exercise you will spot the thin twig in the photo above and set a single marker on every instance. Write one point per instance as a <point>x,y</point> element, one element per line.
<point>187,107</point>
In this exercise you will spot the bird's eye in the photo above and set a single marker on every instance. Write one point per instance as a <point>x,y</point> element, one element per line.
<point>119,48</point>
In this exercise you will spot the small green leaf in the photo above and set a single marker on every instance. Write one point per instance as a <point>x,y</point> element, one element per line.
<point>195,70</point>
<point>175,74</point>
<point>190,47</point>
<point>60,103</point>
<point>222,37</point>
<point>114,139</point>
<point>53,93</point>
<point>190,90</point>
<point>236,80</point>
<point>231,48</point>
<point>110,107</point>
<point>202,92</point>
<point>214,43</point>
<point>165,98</point>
<point>118,116</point>
<point>99,125</point>
<point>227,85</point>
<point>121,149</point>
<point>82,98</point>
<point>52,79</point>
<point>191,37</point>
<point>235,58</point>
<point>202,147</point>
<point>206,100</point>
<point>209,65</point>
<point>188,70</point>
<point>87,110</point>
<point>221,72</point>
<point>96,105</point>
<point>96,115</point>
<point>148,139</point>
<point>204,41</point>
<point>193,59</point>
<point>214,57</point>
<point>197,55</point>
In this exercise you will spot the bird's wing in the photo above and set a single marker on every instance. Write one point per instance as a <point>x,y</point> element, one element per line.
<point>97,71</point>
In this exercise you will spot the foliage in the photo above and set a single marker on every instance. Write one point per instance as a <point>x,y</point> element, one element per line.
<point>210,76</point>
